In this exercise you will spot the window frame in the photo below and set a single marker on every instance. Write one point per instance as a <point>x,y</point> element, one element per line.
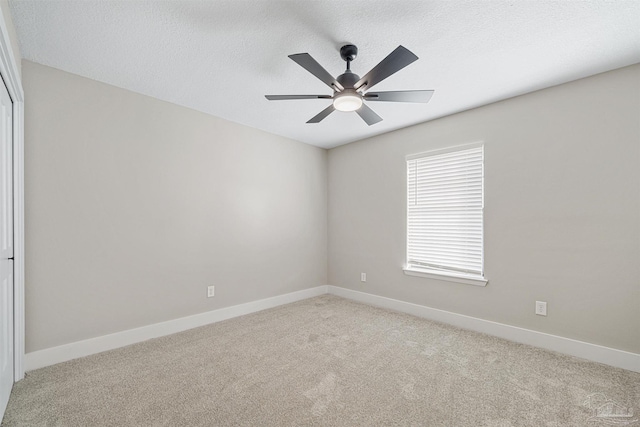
<point>446,275</point>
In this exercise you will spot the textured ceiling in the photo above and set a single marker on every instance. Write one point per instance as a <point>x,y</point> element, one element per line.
<point>222,57</point>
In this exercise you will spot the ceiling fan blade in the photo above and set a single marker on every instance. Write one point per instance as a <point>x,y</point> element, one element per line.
<point>368,115</point>
<point>394,62</point>
<point>285,97</point>
<point>322,114</point>
<point>400,96</point>
<point>307,62</point>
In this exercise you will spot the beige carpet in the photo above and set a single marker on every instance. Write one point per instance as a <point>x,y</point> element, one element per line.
<point>326,361</point>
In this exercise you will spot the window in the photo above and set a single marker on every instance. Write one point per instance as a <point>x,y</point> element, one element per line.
<point>445,201</point>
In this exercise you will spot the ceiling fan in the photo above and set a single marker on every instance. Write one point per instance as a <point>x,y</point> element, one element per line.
<point>350,91</point>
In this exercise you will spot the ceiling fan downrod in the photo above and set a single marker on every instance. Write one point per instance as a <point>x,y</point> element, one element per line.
<point>348,53</point>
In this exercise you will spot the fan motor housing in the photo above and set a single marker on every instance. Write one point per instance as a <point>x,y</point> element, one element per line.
<point>348,79</point>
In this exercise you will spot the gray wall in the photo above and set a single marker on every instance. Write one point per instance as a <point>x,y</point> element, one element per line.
<point>134,206</point>
<point>562,215</point>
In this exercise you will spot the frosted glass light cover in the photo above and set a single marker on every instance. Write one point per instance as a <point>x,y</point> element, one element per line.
<point>347,102</point>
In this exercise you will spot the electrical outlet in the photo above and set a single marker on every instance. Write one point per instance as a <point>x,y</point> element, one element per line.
<point>363,277</point>
<point>541,308</point>
<point>211,291</point>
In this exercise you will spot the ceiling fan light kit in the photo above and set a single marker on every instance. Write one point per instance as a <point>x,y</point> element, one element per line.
<point>348,100</point>
<point>350,91</point>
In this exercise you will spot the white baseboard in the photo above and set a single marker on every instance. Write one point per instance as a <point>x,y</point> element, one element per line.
<point>609,356</point>
<point>596,353</point>
<point>63,353</point>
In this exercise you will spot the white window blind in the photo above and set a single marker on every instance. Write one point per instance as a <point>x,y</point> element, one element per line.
<point>445,204</point>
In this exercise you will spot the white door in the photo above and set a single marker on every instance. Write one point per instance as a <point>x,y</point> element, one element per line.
<point>6,248</point>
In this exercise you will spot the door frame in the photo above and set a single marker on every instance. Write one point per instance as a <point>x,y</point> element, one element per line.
<point>11,77</point>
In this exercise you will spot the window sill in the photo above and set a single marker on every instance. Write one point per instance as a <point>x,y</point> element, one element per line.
<point>450,277</point>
